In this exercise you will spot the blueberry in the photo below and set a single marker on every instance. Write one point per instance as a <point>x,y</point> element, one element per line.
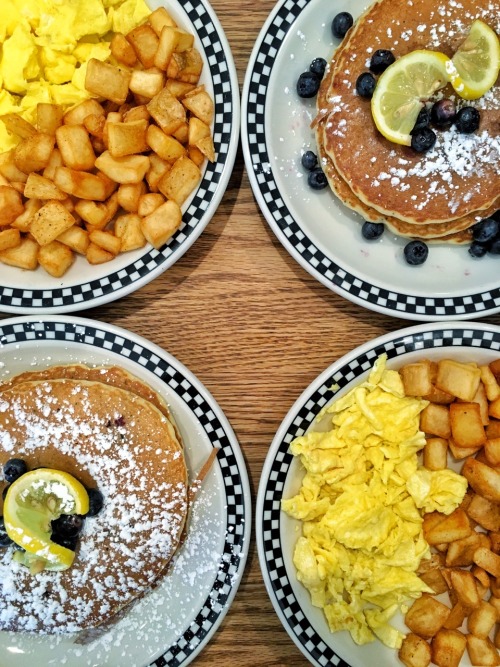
<point>65,541</point>
<point>443,113</point>
<point>416,252</point>
<point>467,120</point>
<point>341,24</point>
<point>5,540</point>
<point>317,179</point>
<point>422,140</point>
<point>67,525</point>
<point>423,119</point>
<point>486,230</point>
<point>494,247</point>
<point>477,249</point>
<point>365,84</point>
<point>381,60</point>
<point>13,469</point>
<point>372,230</point>
<point>318,67</point>
<point>308,84</point>
<point>96,501</point>
<point>309,160</point>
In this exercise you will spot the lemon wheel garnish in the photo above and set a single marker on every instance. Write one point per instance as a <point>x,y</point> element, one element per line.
<point>474,68</point>
<point>403,88</point>
<point>32,502</point>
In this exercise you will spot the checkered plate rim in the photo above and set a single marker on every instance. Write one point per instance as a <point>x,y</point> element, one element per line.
<point>279,459</point>
<point>119,342</point>
<point>153,262</point>
<point>290,232</point>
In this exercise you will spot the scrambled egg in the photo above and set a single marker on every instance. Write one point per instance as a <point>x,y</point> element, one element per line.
<point>361,504</point>
<point>45,46</point>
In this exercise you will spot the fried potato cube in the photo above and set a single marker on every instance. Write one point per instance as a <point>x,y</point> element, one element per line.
<point>50,221</point>
<point>158,168</point>
<point>81,184</point>
<point>96,214</point>
<point>448,647</point>
<point>457,616</point>
<point>493,429</point>
<point>8,169</point>
<point>167,111</point>
<point>495,541</point>
<point>128,229</point>
<point>206,147</point>
<point>182,132</point>
<point>461,453</point>
<point>179,88</point>
<point>48,117</point>
<point>127,169</point>
<point>33,154</point>
<point>436,454</point>
<point>460,380</point>
<point>122,50</point>
<point>466,424</point>
<point>108,81</point>
<point>495,368</point>
<point>23,221</point>
<point>455,526</point>
<point>169,38</point>
<point>127,138</point>
<point>15,124</point>
<point>39,187</point>
<point>178,183</point>
<point>160,18</point>
<point>94,124</point>
<point>464,585</point>
<point>435,580</point>
<point>145,42</point>
<point>200,105</point>
<point>147,83</point>
<point>488,560</point>
<point>11,205</point>
<point>482,651</point>
<point>75,238</point>
<point>196,155</point>
<point>136,113</point>
<point>164,145</point>
<point>97,255</point>
<point>492,452</point>
<point>435,420</point>
<point>55,161</point>
<point>426,616</point>
<point>105,240</point>
<point>77,114</point>
<point>159,226</point>
<point>481,399</point>
<point>485,512</point>
<point>483,479</point>
<point>482,619</point>
<point>494,409</point>
<point>23,256</point>
<point>149,202</point>
<point>55,258</point>
<point>76,150</point>
<point>199,130</point>
<point>9,238</point>
<point>185,66</point>
<point>415,651</point>
<point>129,196</point>
<point>490,383</point>
<point>460,553</point>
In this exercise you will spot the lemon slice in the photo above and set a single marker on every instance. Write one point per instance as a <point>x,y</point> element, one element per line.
<point>403,88</point>
<point>32,502</point>
<point>474,68</point>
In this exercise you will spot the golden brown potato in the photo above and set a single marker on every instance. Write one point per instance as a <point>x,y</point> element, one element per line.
<point>460,380</point>
<point>48,117</point>
<point>484,480</point>
<point>467,428</point>
<point>81,184</point>
<point>55,258</point>
<point>147,83</point>
<point>75,147</point>
<point>77,114</point>
<point>159,226</point>
<point>436,454</point>
<point>11,205</point>
<point>50,221</point>
<point>167,111</point>
<point>39,187</point>
<point>426,616</point>
<point>435,420</point>
<point>15,124</point>
<point>122,50</point>
<point>33,154</point>
<point>180,181</point>
<point>108,81</point>
<point>9,238</point>
<point>23,256</point>
<point>160,18</point>
<point>127,138</point>
<point>415,651</point>
<point>145,42</point>
<point>75,238</point>
<point>448,647</point>
<point>455,526</point>
<point>482,651</point>
<point>128,229</point>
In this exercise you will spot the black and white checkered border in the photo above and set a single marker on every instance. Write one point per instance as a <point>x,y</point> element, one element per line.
<point>22,300</point>
<point>291,234</point>
<point>232,559</point>
<point>297,624</point>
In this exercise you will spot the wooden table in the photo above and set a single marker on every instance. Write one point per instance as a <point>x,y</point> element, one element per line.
<point>256,329</point>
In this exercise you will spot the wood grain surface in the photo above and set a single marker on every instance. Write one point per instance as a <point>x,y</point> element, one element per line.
<point>256,329</point>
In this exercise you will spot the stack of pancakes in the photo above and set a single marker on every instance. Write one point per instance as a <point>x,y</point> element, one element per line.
<point>111,431</point>
<point>437,195</point>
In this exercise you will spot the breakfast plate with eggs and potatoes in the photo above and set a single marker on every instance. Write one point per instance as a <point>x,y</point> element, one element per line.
<point>146,558</point>
<point>370,135</point>
<point>377,515</point>
<point>119,123</point>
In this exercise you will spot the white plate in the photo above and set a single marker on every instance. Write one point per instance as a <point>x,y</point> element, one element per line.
<point>282,475</point>
<point>173,623</point>
<point>322,235</point>
<point>86,286</point>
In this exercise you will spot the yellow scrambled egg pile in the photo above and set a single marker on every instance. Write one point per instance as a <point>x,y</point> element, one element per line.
<point>45,46</point>
<point>361,505</point>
